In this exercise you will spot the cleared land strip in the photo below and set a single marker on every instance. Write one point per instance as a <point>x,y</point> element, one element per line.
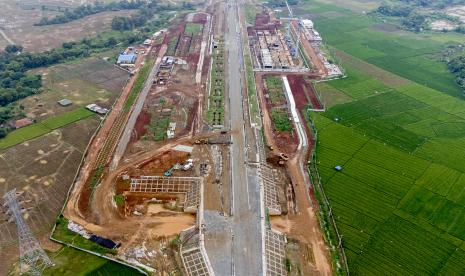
<point>6,37</point>
<point>139,103</point>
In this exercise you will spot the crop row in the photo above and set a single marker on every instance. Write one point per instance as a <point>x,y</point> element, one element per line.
<point>400,247</point>
<point>274,87</point>
<point>215,113</point>
<point>342,139</point>
<point>363,198</point>
<point>384,104</point>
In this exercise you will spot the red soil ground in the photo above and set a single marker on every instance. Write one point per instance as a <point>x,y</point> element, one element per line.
<point>200,18</point>
<point>303,92</point>
<point>262,19</point>
<point>283,141</point>
<point>139,128</point>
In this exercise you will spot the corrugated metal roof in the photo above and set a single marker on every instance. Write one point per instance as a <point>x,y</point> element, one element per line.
<point>127,58</point>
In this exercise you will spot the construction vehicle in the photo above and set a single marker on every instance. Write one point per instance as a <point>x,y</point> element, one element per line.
<point>201,141</point>
<point>169,172</point>
<point>188,165</point>
<point>283,156</point>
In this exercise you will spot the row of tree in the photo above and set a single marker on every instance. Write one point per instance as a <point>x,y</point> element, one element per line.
<point>454,56</point>
<point>89,9</point>
<point>123,23</point>
<point>143,15</point>
<point>281,3</point>
<point>433,3</point>
<point>414,18</point>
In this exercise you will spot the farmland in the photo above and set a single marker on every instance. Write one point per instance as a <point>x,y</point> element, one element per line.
<point>18,25</point>
<point>43,127</point>
<point>399,136</point>
<point>72,262</point>
<point>193,29</point>
<point>44,169</point>
<point>406,55</point>
<point>91,80</point>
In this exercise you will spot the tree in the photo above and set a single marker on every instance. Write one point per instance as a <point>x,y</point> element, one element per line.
<point>3,132</point>
<point>415,22</point>
<point>111,42</point>
<point>394,10</point>
<point>13,48</point>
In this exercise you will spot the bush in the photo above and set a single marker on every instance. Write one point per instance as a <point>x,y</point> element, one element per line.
<point>281,120</point>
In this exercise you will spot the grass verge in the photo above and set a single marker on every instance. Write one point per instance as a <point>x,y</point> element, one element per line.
<point>62,233</point>
<point>138,84</point>
<point>70,262</point>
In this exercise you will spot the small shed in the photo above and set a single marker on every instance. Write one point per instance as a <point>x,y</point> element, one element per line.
<point>21,123</point>
<point>127,59</point>
<point>65,102</point>
<point>184,148</point>
<point>338,168</point>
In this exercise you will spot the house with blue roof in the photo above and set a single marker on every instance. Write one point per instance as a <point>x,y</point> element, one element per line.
<point>126,59</point>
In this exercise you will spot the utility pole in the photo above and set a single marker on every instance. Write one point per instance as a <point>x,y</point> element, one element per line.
<point>32,258</point>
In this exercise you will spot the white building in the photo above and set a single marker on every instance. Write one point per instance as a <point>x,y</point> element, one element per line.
<point>307,23</point>
<point>266,59</point>
<point>97,109</point>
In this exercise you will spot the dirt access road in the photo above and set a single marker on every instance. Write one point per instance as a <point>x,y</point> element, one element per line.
<point>304,225</point>
<point>312,54</point>
<point>72,210</point>
<point>137,108</point>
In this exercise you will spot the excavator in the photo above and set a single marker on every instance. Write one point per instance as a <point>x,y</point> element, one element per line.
<point>169,172</point>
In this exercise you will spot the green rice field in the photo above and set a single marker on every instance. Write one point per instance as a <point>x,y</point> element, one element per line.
<point>193,29</point>
<point>43,127</point>
<point>406,54</point>
<point>399,136</point>
<point>72,262</point>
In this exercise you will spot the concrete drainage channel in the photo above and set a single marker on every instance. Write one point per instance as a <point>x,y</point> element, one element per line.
<point>192,250</point>
<point>273,242</point>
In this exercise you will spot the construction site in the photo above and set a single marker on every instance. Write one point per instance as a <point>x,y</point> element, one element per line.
<point>272,45</point>
<point>141,189</point>
<point>179,180</point>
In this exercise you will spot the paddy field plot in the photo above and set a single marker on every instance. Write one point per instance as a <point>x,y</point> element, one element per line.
<point>400,139</point>
<point>406,54</point>
<point>43,168</point>
<point>92,80</point>
<point>70,262</point>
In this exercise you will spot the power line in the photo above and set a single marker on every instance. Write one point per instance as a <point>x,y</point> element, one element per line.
<point>32,258</point>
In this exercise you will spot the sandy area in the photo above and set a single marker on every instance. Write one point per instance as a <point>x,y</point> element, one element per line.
<point>440,25</point>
